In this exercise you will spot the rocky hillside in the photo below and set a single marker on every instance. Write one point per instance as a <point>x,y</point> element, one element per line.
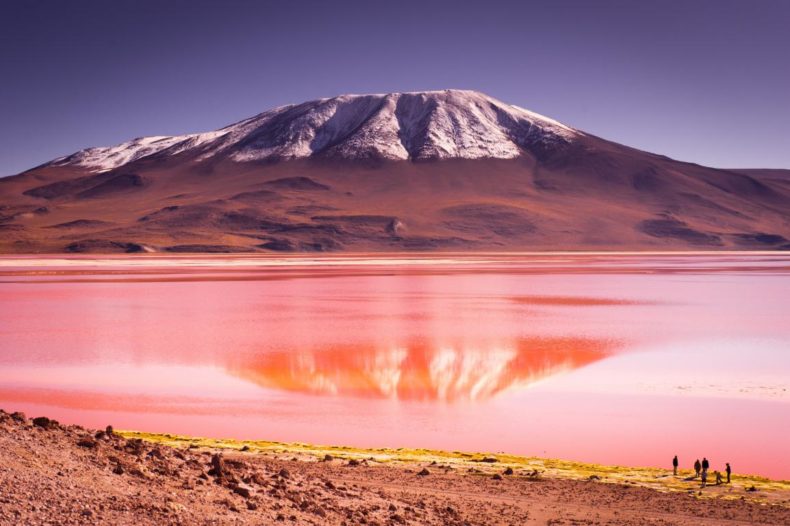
<point>68,475</point>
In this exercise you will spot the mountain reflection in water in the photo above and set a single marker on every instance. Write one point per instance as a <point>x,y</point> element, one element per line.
<point>423,371</point>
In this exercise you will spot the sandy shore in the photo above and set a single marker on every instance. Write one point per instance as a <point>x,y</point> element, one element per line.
<point>53,474</point>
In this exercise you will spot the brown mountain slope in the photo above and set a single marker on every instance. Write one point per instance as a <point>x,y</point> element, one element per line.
<point>307,205</point>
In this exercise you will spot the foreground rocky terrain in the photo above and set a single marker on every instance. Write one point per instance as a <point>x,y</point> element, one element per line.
<point>55,474</point>
<point>439,170</point>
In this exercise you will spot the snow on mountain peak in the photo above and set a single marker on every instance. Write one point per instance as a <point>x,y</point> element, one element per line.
<point>392,126</point>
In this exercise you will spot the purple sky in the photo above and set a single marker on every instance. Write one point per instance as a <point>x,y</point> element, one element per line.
<point>703,81</point>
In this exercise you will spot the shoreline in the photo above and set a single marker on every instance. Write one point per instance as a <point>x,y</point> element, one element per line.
<point>384,253</point>
<point>69,475</point>
<point>489,464</point>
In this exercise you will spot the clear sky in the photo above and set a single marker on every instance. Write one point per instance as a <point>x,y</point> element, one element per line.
<point>698,80</point>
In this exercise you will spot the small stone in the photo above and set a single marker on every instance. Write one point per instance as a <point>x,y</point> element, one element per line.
<point>87,442</point>
<point>328,458</point>
<point>135,446</point>
<point>242,489</point>
<point>109,431</point>
<point>353,462</point>
<point>217,465</point>
<point>423,473</point>
<point>19,417</point>
<point>509,471</point>
<point>118,470</point>
<point>42,422</point>
<point>497,476</point>
<point>257,478</point>
<point>284,473</point>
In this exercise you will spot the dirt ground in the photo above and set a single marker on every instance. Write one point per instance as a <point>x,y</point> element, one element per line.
<point>53,474</point>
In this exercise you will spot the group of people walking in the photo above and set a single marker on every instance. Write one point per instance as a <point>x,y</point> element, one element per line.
<point>701,470</point>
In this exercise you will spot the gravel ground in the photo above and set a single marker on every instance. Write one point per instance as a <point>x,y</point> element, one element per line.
<point>53,474</point>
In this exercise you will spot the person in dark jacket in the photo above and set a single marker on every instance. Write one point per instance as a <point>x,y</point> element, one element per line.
<point>675,465</point>
<point>729,472</point>
<point>705,464</point>
<point>697,468</point>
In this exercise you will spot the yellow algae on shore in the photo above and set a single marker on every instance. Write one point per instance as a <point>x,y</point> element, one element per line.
<point>745,487</point>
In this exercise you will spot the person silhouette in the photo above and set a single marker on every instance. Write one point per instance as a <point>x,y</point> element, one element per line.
<point>675,465</point>
<point>718,477</point>
<point>705,464</point>
<point>704,478</point>
<point>697,468</point>
<point>729,472</point>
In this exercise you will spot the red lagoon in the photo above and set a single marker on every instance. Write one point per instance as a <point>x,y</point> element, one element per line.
<point>608,358</point>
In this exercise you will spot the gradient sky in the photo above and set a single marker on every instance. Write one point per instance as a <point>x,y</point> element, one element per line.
<point>702,81</point>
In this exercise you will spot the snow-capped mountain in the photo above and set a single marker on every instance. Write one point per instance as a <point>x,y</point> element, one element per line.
<point>349,173</point>
<point>394,126</point>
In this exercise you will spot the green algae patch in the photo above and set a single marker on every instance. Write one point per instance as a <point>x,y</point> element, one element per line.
<point>747,487</point>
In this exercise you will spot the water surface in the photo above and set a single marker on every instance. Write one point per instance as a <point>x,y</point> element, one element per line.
<point>609,358</point>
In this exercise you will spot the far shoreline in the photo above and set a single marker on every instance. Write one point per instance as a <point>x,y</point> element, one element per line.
<point>384,253</point>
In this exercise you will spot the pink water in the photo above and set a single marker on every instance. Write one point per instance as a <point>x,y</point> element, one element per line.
<point>616,359</point>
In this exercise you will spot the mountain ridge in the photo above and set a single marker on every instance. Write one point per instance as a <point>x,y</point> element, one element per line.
<point>393,126</point>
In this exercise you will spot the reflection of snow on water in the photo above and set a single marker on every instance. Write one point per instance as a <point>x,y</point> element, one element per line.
<point>458,373</point>
<point>385,369</point>
<point>422,371</point>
